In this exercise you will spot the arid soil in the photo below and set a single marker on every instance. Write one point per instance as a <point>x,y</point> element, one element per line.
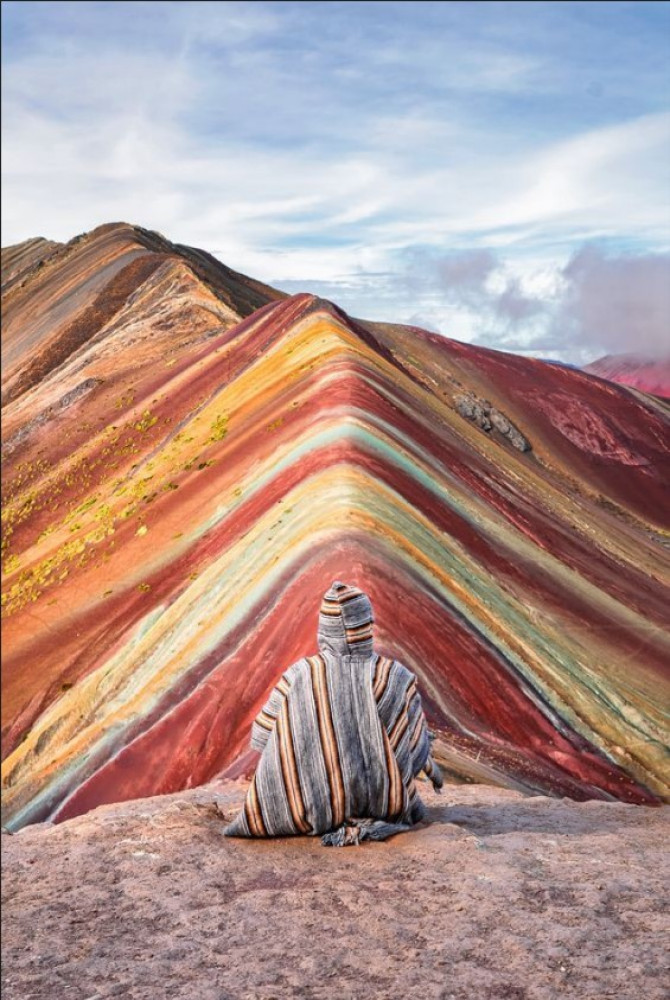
<point>498,897</point>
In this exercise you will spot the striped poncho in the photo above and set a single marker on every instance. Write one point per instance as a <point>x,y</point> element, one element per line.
<point>342,737</point>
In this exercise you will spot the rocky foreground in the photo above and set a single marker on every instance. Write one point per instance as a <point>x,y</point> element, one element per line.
<point>499,897</point>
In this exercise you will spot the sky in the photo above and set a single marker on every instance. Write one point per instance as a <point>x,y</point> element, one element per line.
<point>497,172</point>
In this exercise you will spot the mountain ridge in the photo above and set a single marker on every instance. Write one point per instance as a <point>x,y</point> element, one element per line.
<point>163,526</point>
<point>651,375</point>
<point>107,267</point>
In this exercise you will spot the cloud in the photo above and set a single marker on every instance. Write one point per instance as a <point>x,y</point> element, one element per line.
<point>407,160</point>
<point>596,303</point>
<point>475,280</point>
<point>616,304</point>
<point>608,179</point>
<point>464,275</point>
<point>514,306</point>
<point>252,126</point>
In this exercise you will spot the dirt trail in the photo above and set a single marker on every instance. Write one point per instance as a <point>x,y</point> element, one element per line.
<point>500,897</point>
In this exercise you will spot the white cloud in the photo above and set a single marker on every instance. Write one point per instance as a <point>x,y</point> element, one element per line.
<point>317,157</point>
<point>618,304</point>
<point>614,178</point>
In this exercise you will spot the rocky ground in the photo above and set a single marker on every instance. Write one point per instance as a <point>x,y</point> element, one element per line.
<point>499,897</point>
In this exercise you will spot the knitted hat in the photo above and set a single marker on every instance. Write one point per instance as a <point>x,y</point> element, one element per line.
<point>345,621</point>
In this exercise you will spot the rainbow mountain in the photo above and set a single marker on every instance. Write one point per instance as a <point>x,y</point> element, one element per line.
<point>651,375</point>
<point>190,457</point>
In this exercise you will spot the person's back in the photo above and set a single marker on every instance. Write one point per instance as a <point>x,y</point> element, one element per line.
<point>342,736</point>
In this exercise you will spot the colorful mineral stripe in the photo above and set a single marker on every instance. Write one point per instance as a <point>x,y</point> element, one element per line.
<point>184,474</point>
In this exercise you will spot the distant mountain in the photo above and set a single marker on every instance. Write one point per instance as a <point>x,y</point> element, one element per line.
<point>646,374</point>
<point>563,364</point>
<point>191,458</point>
<point>58,298</point>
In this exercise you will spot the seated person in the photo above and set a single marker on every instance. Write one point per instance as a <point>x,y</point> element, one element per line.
<point>342,737</point>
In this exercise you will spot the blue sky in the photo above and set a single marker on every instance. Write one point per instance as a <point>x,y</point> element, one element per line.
<point>496,171</point>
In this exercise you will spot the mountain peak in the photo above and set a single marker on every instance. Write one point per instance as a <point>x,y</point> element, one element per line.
<point>649,374</point>
<point>191,457</point>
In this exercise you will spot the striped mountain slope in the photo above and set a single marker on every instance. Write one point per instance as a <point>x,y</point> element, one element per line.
<point>650,375</point>
<point>64,306</point>
<point>181,488</point>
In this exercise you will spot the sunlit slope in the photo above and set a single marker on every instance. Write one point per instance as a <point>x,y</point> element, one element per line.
<point>63,303</point>
<point>169,545</point>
